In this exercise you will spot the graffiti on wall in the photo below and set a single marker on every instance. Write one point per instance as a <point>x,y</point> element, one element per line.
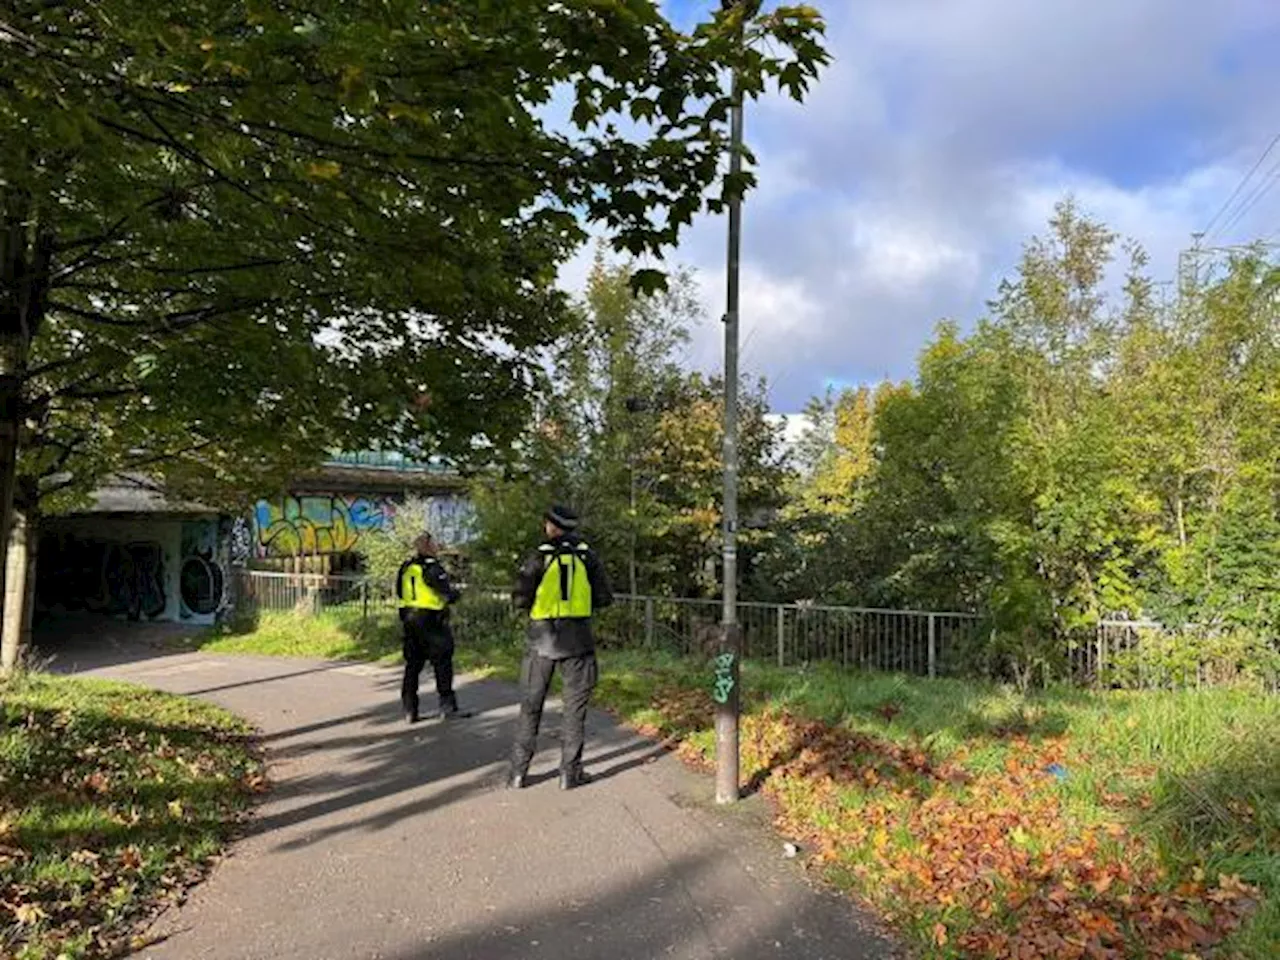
<point>103,577</point>
<point>334,523</point>
<point>201,580</point>
<point>312,525</point>
<point>241,541</point>
<point>450,519</point>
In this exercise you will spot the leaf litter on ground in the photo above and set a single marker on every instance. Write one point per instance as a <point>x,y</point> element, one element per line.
<point>114,800</point>
<point>978,859</point>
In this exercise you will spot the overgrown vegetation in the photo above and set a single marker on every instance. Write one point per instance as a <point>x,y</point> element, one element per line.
<point>982,821</point>
<point>113,800</point>
<point>986,823</point>
<point>1087,450</point>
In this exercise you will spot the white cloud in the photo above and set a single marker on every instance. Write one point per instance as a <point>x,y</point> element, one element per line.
<point>938,142</point>
<point>897,255</point>
<point>779,319</point>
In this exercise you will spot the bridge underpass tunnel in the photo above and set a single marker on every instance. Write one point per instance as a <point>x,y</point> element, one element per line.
<point>133,555</point>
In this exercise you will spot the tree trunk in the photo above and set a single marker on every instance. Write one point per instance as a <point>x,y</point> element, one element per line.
<point>16,592</point>
<point>10,423</point>
<point>26,263</point>
<point>29,604</point>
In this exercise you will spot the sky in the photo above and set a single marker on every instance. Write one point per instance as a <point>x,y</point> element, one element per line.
<point>937,143</point>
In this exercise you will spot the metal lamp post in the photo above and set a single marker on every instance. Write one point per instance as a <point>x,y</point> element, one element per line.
<point>726,691</point>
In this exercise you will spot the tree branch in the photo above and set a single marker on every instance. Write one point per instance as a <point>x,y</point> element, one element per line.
<point>92,315</point>
<point>154,459</point>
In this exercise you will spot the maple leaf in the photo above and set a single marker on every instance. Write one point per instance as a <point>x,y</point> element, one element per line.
<point>29,914</point>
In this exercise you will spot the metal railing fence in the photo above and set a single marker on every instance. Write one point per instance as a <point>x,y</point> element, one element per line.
<point>918,642</point>
<point>925,643</point>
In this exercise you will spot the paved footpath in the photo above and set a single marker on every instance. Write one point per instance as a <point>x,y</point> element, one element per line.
<point>380,840</point>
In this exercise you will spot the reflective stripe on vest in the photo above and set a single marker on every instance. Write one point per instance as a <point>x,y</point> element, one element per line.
<point>416,592</point>
<point>565,590</point>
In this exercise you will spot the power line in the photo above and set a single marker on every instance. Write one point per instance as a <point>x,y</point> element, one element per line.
<point>1261,190</point>
<point>1241,185</point>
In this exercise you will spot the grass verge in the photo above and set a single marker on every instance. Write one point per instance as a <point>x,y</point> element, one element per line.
<point>981,822</point>
<point>113,801</point>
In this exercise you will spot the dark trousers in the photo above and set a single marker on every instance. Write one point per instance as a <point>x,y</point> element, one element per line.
<point>425,643</point>
<point>579,675</point>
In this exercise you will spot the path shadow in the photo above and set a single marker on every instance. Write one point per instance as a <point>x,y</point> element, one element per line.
<point>649,752</point>
<point>343,768</point>
<point>385,771</point>
<point>76,644</point>
<point>665,912</point>
<point>257,681</point>
<point>390,777</point>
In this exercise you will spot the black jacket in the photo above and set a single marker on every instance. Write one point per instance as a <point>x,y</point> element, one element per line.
<point>560,639</point>
<point>434,573</point>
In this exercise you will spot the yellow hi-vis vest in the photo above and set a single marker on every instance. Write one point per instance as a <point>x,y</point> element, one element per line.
<point>416,592</point>
<point>565,590</point>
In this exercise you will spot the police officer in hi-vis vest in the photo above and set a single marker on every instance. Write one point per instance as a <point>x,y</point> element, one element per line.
<point>425,593</point>
<point>561,584</point>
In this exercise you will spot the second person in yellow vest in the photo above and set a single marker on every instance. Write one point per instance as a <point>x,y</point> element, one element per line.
<point>561,584</point>
<point>425,594</point>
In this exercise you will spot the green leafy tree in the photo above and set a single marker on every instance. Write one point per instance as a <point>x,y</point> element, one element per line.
<point>837,457</point>
<point>684,458</point>
<point>633,441</point>
<point>1201,392</point>
<point>1082,454</point>
<point>233,234</point>
<point>608,379</point>
<point>1003,485</point>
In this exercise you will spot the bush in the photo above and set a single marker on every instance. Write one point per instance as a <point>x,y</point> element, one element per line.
<point>1195,656</point>
<point>384,550</point>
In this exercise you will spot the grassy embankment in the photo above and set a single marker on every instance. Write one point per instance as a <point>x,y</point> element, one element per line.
<point>113,800</point>
<point>980,822</point>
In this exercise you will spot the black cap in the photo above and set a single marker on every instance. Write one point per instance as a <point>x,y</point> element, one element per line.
<point>562,517</point>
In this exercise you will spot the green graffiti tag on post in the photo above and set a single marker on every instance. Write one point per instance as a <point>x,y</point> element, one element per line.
<point>724,678</point>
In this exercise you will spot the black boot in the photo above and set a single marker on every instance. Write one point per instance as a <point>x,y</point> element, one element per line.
<point>515,779</point>
<point>569,779</point>
<point>449,709</point>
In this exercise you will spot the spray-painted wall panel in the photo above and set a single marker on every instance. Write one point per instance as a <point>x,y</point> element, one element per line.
<point>142,569</point>
<point>327,524</point>
<point>201,580</point>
